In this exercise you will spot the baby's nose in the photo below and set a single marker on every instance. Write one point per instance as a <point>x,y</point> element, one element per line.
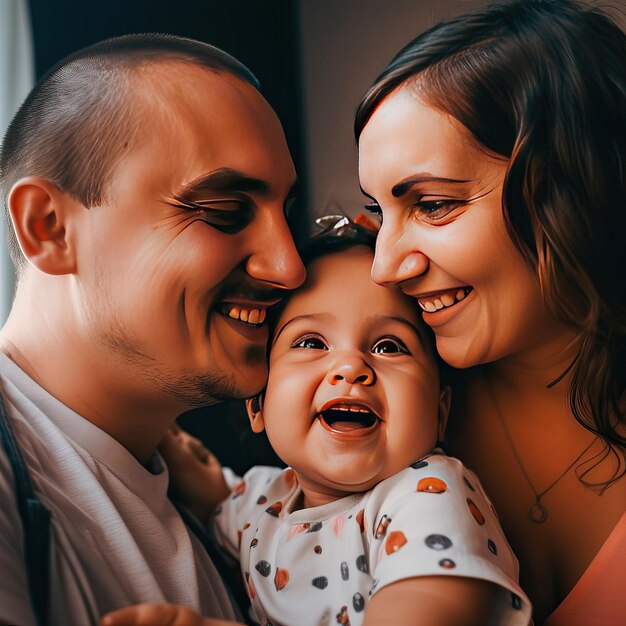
<point>351,370</point>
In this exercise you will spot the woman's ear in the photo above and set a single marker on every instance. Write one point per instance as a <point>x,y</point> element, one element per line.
<point>255,414</point>
<point>40,212</point>
<point>445,400</point>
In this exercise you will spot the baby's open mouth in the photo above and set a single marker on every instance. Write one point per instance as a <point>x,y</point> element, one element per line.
<point>344,418</point>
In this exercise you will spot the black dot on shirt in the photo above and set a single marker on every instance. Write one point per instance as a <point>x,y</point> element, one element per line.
<point>438,542</point>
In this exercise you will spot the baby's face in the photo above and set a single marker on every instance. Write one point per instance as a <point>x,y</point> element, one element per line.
<point>353,391</point>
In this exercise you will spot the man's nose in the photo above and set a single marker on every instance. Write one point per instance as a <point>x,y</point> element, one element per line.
<point>397,257</point>
<point>353,370</point>
<point>276,260</point>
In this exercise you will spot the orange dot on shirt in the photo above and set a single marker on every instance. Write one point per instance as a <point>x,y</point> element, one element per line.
<point>395,540</point>
<point>290,477</point>
<point>475,511</point>
<point>239,489</point>
<point>432,485</point>
<point>360,520</point>
<point>275,509</point>
<point>281,578</point>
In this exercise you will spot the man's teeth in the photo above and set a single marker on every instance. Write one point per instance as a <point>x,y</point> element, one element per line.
<point>250,316</point>
<point>443,301</point>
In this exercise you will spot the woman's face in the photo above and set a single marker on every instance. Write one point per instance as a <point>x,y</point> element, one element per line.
<point>443,238</point>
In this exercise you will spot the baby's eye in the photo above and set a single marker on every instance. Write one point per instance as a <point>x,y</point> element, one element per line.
<point>310,343</point>
<point>389,345</point>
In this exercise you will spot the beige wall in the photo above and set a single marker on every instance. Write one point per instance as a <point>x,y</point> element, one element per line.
<point>345,44</point>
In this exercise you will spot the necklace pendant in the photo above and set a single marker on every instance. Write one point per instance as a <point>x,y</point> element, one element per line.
<point>537,513</point>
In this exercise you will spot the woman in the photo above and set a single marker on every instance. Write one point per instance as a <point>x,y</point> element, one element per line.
<point>494,147</point>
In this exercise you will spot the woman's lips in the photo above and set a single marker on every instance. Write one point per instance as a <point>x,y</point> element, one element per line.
<point>436,301</point>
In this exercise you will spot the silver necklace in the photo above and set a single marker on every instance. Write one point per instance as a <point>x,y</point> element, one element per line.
<point>537,512</point>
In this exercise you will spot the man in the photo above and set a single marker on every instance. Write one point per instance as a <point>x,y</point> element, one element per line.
<point>147,182</point>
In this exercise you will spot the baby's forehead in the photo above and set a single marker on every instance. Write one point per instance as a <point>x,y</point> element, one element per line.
<point>341,280</point>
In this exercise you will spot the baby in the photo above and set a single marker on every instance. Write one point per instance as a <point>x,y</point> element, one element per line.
<point>371,523</point>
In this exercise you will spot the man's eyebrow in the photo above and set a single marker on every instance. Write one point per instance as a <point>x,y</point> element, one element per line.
<point>224,180</point>
<point>399,189</point>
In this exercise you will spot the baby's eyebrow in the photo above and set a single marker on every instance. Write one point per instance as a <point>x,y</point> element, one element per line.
<point>418,330</point>
<point>324,317</point>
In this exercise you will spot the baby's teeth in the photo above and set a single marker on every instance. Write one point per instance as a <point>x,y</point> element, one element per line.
<point>430,307</point>
<point>234,313</point>
<point>243,316</point>
<point>253,318</point>
<point>447,299</point>
<point>460,294</point>
<point>262,315</point>
<point>438,304</point>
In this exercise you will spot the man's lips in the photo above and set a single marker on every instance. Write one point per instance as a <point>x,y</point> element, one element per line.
<point>249,312</point>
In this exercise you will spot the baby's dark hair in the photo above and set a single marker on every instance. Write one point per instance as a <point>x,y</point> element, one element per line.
<point>338,233</point>
<point>343,234</point>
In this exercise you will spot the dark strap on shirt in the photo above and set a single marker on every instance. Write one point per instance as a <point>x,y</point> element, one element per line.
<point>229,575</point>
<point>36,525</point>
<point>35,522</point>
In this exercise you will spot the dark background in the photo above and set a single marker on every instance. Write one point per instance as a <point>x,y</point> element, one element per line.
<point>261,34</point>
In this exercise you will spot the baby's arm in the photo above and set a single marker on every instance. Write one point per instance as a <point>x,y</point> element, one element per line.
<point>432,601</point>
<point>196,476</point>
<point>160,615</point>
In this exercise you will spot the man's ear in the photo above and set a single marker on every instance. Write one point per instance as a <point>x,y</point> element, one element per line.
<point>255,414</point>
<point>445,400</point>
<point>39,211</point>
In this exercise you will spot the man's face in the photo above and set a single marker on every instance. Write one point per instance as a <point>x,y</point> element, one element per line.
<point>176,270</point>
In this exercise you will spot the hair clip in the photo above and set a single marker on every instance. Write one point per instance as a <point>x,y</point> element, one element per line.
<point>341,224</point>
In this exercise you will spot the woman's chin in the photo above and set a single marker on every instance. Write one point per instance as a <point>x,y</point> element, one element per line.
<point>458,354</point>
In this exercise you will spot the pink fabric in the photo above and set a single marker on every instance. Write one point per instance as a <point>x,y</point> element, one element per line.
<point>599,597</point>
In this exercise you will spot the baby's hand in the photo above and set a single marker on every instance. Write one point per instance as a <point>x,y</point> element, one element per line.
<point>196,476</point>
<point>159,615</point>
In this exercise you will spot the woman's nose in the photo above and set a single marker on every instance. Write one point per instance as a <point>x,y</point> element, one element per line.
<point>397,258</point>
<point>352,370</point>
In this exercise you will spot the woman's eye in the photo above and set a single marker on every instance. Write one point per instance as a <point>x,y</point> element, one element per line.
<point>389,346</point>
<point>373,208</point>
<point>309,343</point>
<point>434,210</point>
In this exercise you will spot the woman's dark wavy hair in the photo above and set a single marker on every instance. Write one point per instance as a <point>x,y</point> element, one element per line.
<point>543,83</point>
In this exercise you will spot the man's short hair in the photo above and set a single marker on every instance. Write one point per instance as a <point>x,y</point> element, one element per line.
<point>79,120</point>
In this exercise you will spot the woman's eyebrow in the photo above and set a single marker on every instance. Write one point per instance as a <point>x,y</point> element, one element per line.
<point>399,189</point>
<point>224,180</point>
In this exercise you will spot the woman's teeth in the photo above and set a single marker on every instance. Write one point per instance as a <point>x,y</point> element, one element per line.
<point>444,300</point>
<point>249,316</point>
